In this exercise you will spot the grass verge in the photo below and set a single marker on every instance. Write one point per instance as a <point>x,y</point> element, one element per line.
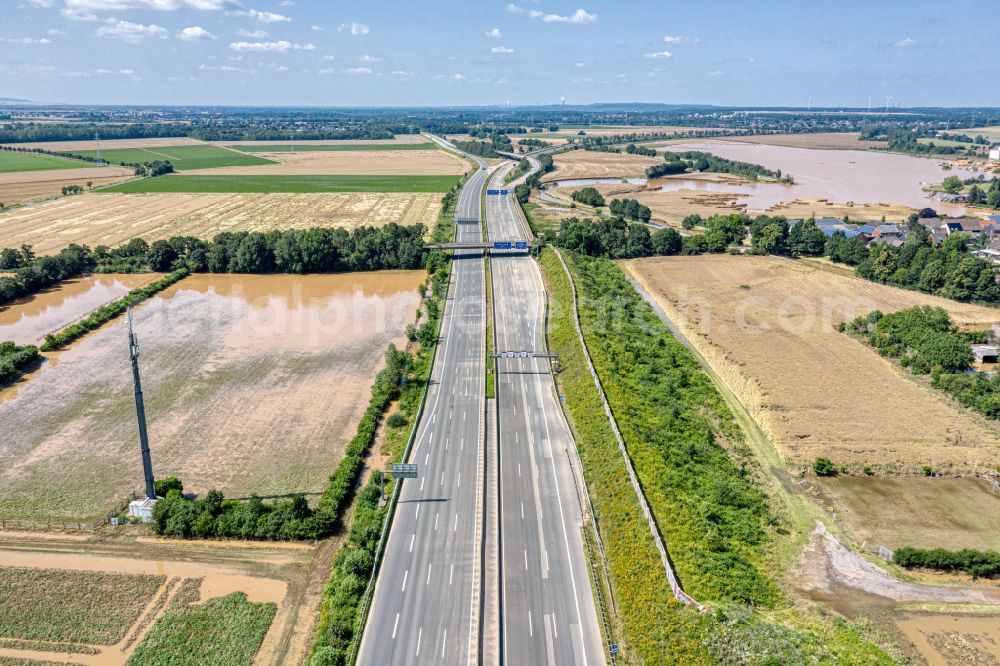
<point>300,184</point>
<point>319,147</point>
<point>695,473</point>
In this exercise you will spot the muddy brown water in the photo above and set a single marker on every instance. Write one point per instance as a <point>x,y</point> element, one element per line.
<point>839,176</point>
<point>28,320</point>
<point>253,384</point>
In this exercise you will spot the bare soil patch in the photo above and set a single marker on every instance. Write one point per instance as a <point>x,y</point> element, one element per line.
<point>364,163</point>
<point>253,384</point>
<point>110,144</point>
<point>113,219</point>
<point>917,511</point>
<point>766,325</point>
<point>587,164</point>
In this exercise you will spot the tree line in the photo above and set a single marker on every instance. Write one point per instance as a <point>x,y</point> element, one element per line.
<point>702,162</point>
<point>14,359</point>
<point>976,563</point>
<point>630,209</point>
<point>32,274</point>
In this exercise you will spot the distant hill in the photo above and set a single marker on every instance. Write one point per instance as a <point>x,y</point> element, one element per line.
<point>14,101</point>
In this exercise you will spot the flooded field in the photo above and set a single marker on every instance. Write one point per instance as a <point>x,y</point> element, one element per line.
<point>253,384</point>
<point>839,176</point>
<point>27,321</point>
<point>953,640</point>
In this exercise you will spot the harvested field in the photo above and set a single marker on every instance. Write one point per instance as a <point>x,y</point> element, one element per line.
<point>586,164</point>
<point>805,208</point>
<point>820,140</point>
<point>253,384</point>
<point>915,511</point>
<point>347,147</point>
<point>349,163</point>
<point>283,183</point>
<point>398,139</point>
<point>766,325</point>
<point>109,595</point>
<point>110,144</point>
<point>13,161</point>
<point>27,321</point>
<point>22,186</point>
<point>112,219</point>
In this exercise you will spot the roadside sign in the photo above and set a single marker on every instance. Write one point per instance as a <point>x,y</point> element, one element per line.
<point>492,192</point>
<point>521,245</point>
<point>501,245</point>
<point>504,192</point>
<point>404,471</point>
<point>614,649</point>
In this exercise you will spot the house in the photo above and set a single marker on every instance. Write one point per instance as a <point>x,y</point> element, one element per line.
<point>142,509</point>
<point>892,241</point>
<point>988,253</point>
<point>972,226</point>
<point>887,231</point>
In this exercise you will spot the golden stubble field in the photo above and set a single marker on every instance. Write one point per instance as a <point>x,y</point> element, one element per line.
<point>109,144</point>
<point>587,164</point>
<point>350,163</point>
<point>20,186</point>
<point>253,384</point>
<point>112,219</point>
<point>766,326</point>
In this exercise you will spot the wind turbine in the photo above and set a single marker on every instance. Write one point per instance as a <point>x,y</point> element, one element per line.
<point>869,103</point>
<point>888,98</point>
<point>809,103</point>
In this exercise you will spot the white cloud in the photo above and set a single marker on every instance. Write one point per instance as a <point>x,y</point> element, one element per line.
<point>359,71</point>
<point>194,33</point>
<point>580,16</point>
<point>133,33</point>
<point>54,32</point>
<point>158,5</point>
<point>579,65</point>
<point>287,3</point>
<point>278,47</point>
<point>252,34</point>
<point>127,72</point>
<point>659,54</point>
<point>402,74</point>
<point>715,72</point>
<point>368,58</point>
<point>42,4</point>
<point>908,41</point>
<point>327,70</point>
<point>78,15</point>
<point>316,28</point>
<point>494,33</point>
<point>501,49</point>
<point>680,39</point>
<point>328,58</point>
<point>354,28</point>
<point>501,81</point>
<point>102,71</point>
<point>263,17</point>
<point>457,77</point>
<point>25,40</point>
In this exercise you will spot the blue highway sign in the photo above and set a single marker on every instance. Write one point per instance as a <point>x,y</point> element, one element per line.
<point>501,245</point>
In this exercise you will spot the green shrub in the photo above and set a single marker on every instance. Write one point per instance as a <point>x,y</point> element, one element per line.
<point>165,485</point>
<point>824,467</point>
<point>396,420</point>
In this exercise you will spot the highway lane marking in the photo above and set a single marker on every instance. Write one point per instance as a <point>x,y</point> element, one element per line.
<point>434,418</point>
<point>522,518</point>
<point>516,439</point>
<point>451,573</point>
<point>426,458</point>
<point>459,480</point>
<point>444,643</point>
<point>418,513</point>
<point>555,625</point>
<point>419,636</point>
<point>549,648</point>
<point>442,479</point>
<point>455,528</point>
<point>429,565</point>
<point>412,539</point>
<point>519,469</point>
<point>421,483</point>
<point>525,560</point>
<point>405,574</point>
<point>436,515</point>
<point>394,625</point>
<point>531,632</point>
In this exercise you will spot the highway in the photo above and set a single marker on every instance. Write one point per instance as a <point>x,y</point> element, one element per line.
<point>547,610</point>
<point>424,609</point>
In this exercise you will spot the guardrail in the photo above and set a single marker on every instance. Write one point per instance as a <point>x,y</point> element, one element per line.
<point>675,586</point>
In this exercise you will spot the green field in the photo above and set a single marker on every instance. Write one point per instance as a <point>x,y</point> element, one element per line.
<point>314,147</point>
<point>288,184</point>
<point>225,631</point>
<point>11,161</point>
<point>184,158</point>
<point>80,606</point>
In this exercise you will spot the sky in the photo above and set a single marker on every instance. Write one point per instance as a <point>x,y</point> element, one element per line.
<point>475,52</point>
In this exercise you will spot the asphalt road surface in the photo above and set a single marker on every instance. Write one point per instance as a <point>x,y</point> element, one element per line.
<point>547,612</point>
<point>422,610</point>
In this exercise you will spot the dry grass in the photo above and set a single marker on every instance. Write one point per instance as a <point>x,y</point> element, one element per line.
<point>916,511</point>
<point>401,138</point>
<point>21,186</point>
<point>804,208</point>
<point>820,140</point>
<point>252,384</point>
<point>111,144</point>
<point>587,164</point>
<point>111,219</point>
<point>349,163</point>
<point>766,325</point>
